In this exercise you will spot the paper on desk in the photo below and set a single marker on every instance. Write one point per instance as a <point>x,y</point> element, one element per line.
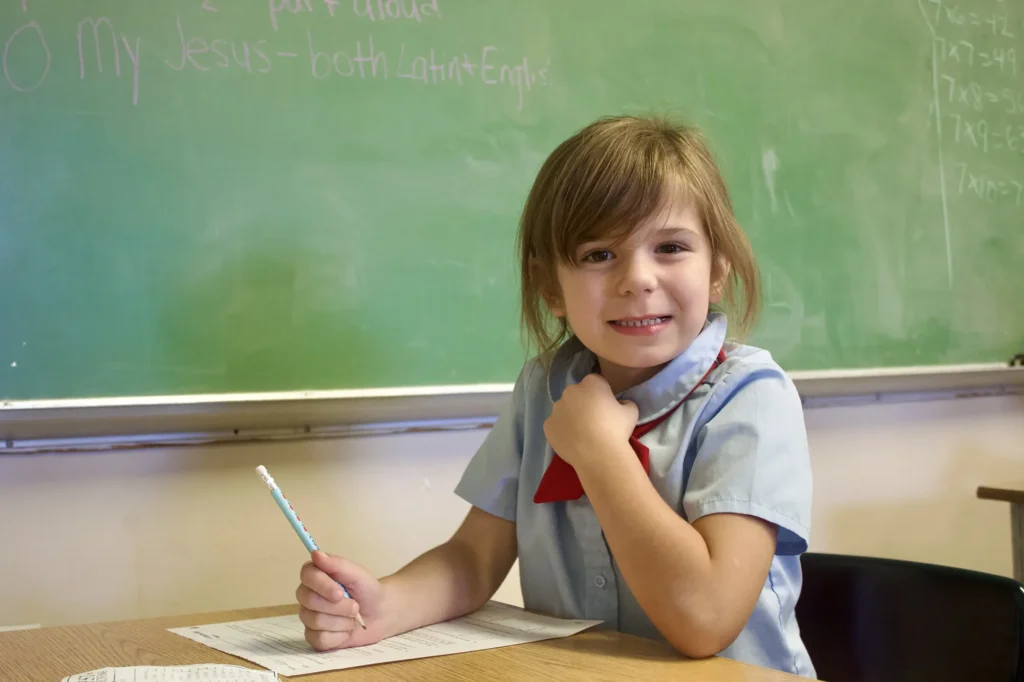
<point>278,643</point>
<point>206,672</point>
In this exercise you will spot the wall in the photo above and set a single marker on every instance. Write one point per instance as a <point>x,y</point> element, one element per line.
<point>138,533</point>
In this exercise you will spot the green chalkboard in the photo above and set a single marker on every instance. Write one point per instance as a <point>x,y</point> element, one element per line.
<point>202,196</point>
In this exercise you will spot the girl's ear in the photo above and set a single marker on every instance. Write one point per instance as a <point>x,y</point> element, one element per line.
<point>548,290</point>
<point>556,309</point>
<point>554,303</point>
<point>719,276</point>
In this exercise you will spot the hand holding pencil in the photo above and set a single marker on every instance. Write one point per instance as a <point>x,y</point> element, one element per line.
<point>334,593</point>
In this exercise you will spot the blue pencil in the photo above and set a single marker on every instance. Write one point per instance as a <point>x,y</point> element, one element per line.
<point>297,524</point>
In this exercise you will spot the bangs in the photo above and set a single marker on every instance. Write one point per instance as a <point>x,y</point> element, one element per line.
<point>610,185</point>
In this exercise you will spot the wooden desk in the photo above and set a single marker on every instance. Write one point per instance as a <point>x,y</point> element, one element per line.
<point>1014,494</point>
<point>49,654</point>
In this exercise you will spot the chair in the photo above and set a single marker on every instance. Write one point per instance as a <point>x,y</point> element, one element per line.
<point>867,619</point>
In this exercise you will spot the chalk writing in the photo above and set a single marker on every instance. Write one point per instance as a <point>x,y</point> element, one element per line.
<point>17,83</point>
<point>99,38</point>
<point>365,60</point>
<point>219,53</point>
<point>973,95</point>
<point>96,25</point>
<point>104,52</point>
<point>987,188</point>
<point>134,57</point>
<point>382,10</point>
<point>972,132</point>
<point>954,15</point>
<point>290,6</point>
<point>937,111</point>
<point>978,103</point>
<point>345,63</point>
<point>980,134</point>
<point>374,10</point>
<point>1000,58</point>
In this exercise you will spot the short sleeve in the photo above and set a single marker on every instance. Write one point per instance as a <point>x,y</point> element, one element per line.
<point>491,480</point>
<point>752,458</point>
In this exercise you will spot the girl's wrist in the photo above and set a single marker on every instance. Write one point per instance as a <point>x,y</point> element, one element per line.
<point>387,610</point>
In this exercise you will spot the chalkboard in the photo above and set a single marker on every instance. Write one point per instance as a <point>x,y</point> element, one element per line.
<point>209,196</point>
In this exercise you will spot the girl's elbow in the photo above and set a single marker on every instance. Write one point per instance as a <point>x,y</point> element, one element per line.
<point>701,637</point>
<point>699,644</point>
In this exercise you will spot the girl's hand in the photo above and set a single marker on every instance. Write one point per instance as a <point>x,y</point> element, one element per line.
<point>588,422</point>
<point>328,616</point>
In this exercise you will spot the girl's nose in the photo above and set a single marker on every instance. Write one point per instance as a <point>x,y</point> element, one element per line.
<point>636,275</point>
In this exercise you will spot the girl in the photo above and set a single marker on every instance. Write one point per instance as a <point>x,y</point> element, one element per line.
<point>678,502</point>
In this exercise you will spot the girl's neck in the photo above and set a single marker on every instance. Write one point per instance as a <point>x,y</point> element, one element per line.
<point>624,378</point>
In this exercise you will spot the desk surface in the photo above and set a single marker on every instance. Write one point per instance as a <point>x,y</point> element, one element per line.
<point>48,654</point>
<point>1008,492</point>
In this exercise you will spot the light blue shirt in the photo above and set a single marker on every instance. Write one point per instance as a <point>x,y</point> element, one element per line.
<point>738,445</point>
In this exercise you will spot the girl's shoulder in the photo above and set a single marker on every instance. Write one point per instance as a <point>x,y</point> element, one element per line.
<point>751,375</point>
<point>742,359</point>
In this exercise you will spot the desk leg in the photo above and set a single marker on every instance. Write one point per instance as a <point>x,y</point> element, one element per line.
<point>1017,529</point>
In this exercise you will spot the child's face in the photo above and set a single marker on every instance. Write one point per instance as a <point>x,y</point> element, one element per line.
<point>641,303</point>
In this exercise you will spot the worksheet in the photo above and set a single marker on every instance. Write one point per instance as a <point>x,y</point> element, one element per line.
<point>278,644</point>
<point>206,672</point>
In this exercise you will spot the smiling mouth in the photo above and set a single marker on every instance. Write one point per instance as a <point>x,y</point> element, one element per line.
<point>638,322</point>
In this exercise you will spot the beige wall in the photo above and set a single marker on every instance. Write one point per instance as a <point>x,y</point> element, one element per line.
<point>137,533</point>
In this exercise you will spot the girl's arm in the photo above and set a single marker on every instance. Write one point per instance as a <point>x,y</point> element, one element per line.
<point>452,579</point>
<point>697,583</point>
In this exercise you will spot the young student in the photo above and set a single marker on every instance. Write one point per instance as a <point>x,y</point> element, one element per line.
<point>678,502</point>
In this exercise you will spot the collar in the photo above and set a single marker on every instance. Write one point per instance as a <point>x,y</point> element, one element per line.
<point>659,394</point>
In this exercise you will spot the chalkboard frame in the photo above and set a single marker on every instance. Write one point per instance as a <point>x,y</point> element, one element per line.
<point>46,426</point>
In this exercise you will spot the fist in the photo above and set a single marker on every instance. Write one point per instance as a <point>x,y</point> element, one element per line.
<point>328,615</point>
<point>587,422</point>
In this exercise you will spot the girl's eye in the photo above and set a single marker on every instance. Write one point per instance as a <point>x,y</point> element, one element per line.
<point>598,256</point>
<point>671,248</point>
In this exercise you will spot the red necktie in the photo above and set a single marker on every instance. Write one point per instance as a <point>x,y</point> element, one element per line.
<point>560,482</point>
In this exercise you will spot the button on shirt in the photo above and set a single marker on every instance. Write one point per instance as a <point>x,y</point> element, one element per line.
<point>737,444</point>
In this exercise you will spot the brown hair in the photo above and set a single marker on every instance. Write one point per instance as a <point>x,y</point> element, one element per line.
<point>603,182</point>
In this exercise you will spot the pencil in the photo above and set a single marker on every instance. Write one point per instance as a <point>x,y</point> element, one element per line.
<point>297,524</point>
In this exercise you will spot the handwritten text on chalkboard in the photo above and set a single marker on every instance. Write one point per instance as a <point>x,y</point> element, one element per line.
<point>102,47</point>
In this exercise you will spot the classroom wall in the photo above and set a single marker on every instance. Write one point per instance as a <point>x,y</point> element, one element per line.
<point>136,533</point>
